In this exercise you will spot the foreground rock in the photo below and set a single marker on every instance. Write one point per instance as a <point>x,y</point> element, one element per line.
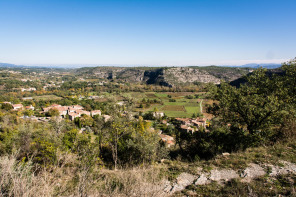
<point>247,175</point>
<point>183,180</point>
<point>223,175</point>
<point>252,172</point>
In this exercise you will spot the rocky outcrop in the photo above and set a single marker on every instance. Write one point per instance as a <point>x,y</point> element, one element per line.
<point>252,172</point>
<point>125,74</point>
<point>183,180</point>
<point>186,74</point>
<point>202,179</point>
<point>165,76</point>
<point>223,175</point>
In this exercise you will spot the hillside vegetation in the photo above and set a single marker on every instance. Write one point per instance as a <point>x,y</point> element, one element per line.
<point>121,151</point>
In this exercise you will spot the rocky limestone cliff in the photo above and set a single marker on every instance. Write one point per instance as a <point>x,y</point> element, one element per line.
<point>126,74</point>
<point>186,74</point>
<point>168,76</point>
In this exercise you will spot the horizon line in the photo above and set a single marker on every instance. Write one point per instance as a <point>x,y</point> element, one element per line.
<point>201,64</point>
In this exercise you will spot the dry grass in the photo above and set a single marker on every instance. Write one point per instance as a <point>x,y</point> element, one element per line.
<point>66,179</point>
<point>135,182</point>
<point>17,179</point>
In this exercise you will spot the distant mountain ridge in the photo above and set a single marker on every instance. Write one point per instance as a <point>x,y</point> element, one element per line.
<point>254,65</point>
<point>251,65</point>
<point>10,65</point>
<point>165,76</point>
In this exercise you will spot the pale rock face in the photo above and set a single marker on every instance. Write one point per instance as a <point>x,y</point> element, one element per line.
<point>184,74</point>
<point>225,175</point>
<point>247,175</point>
<point>202,180</point>
<point>251,172</point>
<point>183,180</point>
<point>130,75</point>
<point>286,169</point>
<point>164,76</point>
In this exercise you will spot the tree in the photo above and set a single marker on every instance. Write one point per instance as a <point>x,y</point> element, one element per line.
<point>100,130</point>
<point>86,120</point>
<point>255,106</point>
<point>6,106</point>
<point>118,128</point>
<point>57,124</point>
<point>53,112</point>
<point>149,116</point>
<point>28,113</point>
<point>145,142</point>
<point>289,83</point>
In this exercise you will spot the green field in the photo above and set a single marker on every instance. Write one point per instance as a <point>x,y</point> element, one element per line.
<point>161,95</point>
<point>137,95</point>
<point>47,97</point>
<point>150,95</point>
<point>183,107</point>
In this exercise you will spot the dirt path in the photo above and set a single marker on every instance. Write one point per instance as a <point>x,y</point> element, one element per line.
<point>200,104</point>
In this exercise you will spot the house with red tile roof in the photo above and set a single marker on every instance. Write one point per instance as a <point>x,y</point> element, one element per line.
<point>73,115</point>
<point>17,107</point>
<point>168,140</point>
<point>77,107</point>
<point>30,107</point>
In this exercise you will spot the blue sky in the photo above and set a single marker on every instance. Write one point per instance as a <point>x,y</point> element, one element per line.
<point>147,32</point>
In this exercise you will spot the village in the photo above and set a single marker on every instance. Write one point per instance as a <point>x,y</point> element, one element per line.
<point>72,112</point>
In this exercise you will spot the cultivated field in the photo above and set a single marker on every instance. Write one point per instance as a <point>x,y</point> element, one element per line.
<point>47,97</point>
<point>173,104</point>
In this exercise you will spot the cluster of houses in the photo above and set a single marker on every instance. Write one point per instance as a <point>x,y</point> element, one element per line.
<point>186,125</point>
<point>28,89</point>
<point>158,114</point>
<point>168,140</point>
<point>191,124</point>
<point>52,84</point>
<point>17,107</point>
<point>73,111</point>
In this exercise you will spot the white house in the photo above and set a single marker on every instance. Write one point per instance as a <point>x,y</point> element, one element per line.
<point>158,114</point>
<point>96,112</point>
<point>17,107</point>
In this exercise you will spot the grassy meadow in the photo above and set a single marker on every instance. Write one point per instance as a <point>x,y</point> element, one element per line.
<point>180,107</point>
<point>47,97</point>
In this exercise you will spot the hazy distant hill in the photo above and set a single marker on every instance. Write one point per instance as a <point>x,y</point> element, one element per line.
<point>9,65</point>
<point>253,65</point>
